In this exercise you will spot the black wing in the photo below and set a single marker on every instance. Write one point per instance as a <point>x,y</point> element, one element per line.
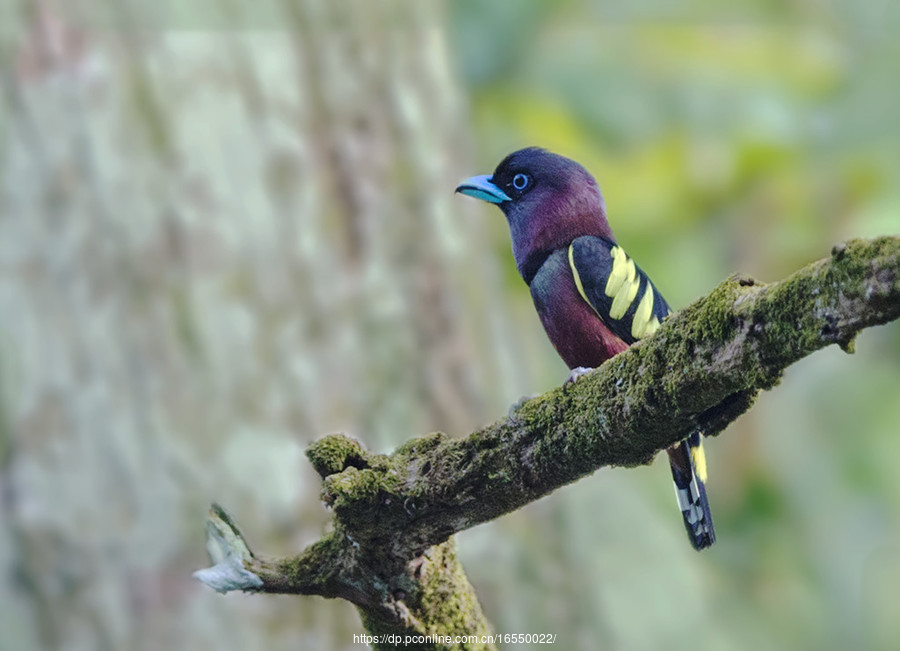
<point>618,290</point>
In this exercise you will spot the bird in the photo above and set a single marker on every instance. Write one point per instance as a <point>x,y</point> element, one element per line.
<point>592,299</point>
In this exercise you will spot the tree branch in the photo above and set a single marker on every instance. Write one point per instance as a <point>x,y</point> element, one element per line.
<point>703,368</point>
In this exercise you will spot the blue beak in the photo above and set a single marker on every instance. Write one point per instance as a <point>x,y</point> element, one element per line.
<point>482,188</point>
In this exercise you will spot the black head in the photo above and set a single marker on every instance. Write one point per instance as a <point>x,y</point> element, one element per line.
<point>548,200</point>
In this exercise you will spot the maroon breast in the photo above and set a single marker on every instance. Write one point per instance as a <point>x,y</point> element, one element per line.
<point>576,331</point>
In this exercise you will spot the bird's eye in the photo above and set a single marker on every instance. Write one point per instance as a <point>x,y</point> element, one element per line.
<point>520,181</point>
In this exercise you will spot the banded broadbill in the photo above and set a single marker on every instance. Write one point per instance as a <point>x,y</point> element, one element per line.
<point>592,299</point>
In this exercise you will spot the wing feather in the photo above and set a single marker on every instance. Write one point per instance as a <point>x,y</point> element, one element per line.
<point>616,288</point>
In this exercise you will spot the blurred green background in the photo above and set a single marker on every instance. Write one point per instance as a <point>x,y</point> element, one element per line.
<point>226,230</point>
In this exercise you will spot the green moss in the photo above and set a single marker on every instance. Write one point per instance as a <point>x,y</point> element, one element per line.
<point>422,444</point>
<point>353,485</point>
<point>447,601</point>
<point>848,345</point>
<point>444,604</point>
<point>319,566</point>
<point>333,453</point>
<point>369,502</point>
<point>539,413</point>
<point>716,320</point>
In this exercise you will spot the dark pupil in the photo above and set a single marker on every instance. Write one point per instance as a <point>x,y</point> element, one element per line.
<point>520,181</point>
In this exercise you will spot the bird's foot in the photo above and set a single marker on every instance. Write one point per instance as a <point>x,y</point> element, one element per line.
<point>576,373</point>
<point>518,404</point>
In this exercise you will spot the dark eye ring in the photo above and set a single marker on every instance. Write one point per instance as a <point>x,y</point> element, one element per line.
<point>520,181</point>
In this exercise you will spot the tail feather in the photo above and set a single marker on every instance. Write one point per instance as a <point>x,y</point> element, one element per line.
<point>689,473</point>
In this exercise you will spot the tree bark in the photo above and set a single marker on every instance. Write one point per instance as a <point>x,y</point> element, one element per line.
<point>391,551</point>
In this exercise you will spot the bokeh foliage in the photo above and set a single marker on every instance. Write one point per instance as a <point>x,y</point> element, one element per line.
<point>225,231</point>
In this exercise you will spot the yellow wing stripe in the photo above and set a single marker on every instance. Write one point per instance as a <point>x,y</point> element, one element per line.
<point>622,286</point>
<point>618,273</point>
<point>641,320</point>
<point>625,295</point>
<point>577,278</point>
<point>698,458</point>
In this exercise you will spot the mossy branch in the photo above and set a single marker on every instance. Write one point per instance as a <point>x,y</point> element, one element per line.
<point>704,367</point>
